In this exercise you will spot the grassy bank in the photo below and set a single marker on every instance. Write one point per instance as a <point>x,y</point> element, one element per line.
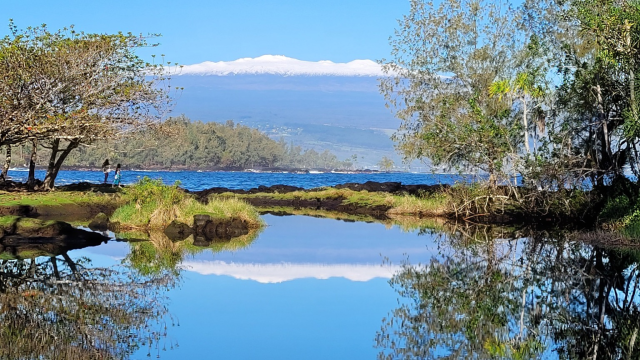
<point>150,204</point>
<point>57,198</point>
<point>146,204</point>
<point>434,204</point>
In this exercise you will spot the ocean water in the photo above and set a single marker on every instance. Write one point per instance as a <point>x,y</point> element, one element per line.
<point>195,180</point>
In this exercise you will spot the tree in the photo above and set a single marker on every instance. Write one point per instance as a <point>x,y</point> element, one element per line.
<point>386,164</point>
<point>76,89</point>
<point>444,60</point>
<point>593,47</point>
<point>525,89</point>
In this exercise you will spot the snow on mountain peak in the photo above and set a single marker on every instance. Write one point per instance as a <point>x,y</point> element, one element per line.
<point>282,65</point>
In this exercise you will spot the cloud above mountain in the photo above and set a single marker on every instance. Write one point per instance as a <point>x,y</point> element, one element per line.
<point>282,65</point>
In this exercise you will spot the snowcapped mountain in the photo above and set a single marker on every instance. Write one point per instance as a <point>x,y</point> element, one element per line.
<point>319,105</point>
<point>284,66</point>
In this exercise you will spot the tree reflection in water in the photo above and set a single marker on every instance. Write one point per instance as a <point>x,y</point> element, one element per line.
<point>60,308</point>
<point>497,295</point>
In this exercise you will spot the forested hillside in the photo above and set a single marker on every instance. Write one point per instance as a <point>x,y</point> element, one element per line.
<point>181,143</point>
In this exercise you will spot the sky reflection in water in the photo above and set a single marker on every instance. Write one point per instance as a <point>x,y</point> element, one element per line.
<point>305,288</point>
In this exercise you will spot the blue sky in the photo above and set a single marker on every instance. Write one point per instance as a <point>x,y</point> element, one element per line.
<point>195,31</point>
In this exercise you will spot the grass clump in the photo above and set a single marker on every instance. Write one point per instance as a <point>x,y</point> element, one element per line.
<point>24,224</point>
<point>8,222</point>
<point>152,204</point>
<point>430,205</point>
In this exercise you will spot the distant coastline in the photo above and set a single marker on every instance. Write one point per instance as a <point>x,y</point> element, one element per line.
<point>222,169</point>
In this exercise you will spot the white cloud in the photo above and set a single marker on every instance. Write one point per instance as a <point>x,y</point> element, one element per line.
<point>276,273</point>
<point>282,65</point>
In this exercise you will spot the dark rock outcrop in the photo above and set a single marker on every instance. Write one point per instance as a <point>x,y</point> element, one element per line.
<point>177,231</point>
<point>100,222</point>
<point>372,186</point>
<point>217,230</point>
<point>202,195</point>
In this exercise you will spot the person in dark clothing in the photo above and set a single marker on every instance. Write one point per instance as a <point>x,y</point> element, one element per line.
<point>105,170</point>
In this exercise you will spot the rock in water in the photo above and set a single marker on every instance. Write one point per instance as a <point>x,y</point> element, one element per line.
<point>177,231</point>
<point>99,223</point>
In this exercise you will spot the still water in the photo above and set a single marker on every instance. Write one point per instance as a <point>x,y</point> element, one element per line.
<point>305,288</point>
<point>313,288</point>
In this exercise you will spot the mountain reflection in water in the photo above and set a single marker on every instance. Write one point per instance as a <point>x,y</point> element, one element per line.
<point>496,295</point>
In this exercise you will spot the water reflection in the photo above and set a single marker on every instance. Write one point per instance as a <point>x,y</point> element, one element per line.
<point>499,293</point>
<point>59,307</point>
<point>153,252</point>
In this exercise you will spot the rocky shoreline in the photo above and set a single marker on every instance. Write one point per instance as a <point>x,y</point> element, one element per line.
<point>370,186</point>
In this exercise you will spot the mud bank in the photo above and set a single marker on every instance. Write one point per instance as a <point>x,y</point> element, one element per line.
<point>69,212</point>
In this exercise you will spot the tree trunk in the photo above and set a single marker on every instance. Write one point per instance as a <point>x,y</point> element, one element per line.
<point>632,343</point>
<point>7,163</point>
<point>526,124</point>
<point>632,79</point>
<point>55,146</point>
<point>632,94</point>
<point>54,164</point>
<point>31,181</point>
<point>54,263</point>
<point>604,134</point>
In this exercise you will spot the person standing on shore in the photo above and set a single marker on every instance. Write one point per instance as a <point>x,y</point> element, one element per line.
<point>105,170</point>
<point>117,177</point>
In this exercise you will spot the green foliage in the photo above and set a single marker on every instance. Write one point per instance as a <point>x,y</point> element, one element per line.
<point>621,209</point>
<point>445,59</point>
<point>83,87</point>
<point>151,204</point>
<point>471,82</point>
<point>386,164</point>
<point>181,143</point>
<point>148,259</point>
